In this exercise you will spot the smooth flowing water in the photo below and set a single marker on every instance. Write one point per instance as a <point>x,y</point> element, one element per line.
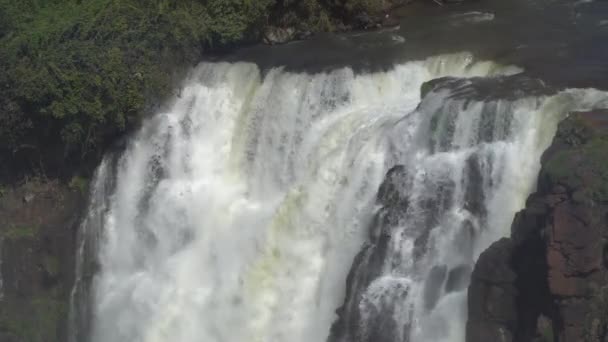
<point>235,214</point>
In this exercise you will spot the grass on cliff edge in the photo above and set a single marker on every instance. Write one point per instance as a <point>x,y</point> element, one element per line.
<point>74,74</point>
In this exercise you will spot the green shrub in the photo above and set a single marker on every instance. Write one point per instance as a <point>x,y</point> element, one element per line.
<point>79,184</point>
<point>78,73</point>
<point>370,6</point>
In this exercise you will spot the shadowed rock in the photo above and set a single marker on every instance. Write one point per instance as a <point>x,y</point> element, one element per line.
<point>360,318</point>
<point>434,286</point>
<point>511,87</point>
<point>458,278</point>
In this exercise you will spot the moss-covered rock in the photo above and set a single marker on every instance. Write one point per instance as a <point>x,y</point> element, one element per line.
<point>578,160</point>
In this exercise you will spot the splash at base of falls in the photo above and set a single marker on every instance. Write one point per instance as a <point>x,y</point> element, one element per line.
<point>235,214</point>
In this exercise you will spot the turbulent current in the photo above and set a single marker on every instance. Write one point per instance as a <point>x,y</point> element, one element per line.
<point>235,214</point>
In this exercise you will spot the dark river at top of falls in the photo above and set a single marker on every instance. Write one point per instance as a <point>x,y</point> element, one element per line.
<point>562,42</point>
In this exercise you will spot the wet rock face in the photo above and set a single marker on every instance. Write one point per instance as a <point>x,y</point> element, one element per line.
<point>558,248</point>
<point>37,228</point>
<point>366,271</point>
<point>492,296</point>
<point>489,88</point>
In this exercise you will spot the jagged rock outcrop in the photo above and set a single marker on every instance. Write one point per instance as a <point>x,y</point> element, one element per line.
<point>367,267</point>
<point>549,281</point>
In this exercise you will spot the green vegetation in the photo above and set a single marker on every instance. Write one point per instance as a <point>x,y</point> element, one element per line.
<point>78,73</point>
<point>79,184</point>
<point>18,233</point>
<point>547,334</point>
<point>321,15</point>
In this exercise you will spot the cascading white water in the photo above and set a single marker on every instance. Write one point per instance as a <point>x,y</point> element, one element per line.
<point>235,214</point>
<point>466,159</point>
<point>470,165</point>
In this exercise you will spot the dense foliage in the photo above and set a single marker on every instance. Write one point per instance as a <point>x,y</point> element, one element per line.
<point>74,74</point>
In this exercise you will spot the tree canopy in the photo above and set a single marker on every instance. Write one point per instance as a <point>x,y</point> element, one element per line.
<point>74,74</point>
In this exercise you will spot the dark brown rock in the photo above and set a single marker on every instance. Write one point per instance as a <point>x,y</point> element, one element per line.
<point>492,294</point>
<point>558,248</point>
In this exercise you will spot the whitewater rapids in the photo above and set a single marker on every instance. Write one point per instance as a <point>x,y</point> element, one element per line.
<point>235,213</point>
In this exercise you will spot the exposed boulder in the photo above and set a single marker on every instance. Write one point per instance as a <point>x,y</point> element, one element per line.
<point>277,35</point>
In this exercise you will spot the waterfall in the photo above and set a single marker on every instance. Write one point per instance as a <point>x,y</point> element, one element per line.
<point>466,160</point>
<point>235,213</point>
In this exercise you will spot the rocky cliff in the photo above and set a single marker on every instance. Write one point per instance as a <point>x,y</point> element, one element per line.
<point>549,280</point>
<point>38,221</point>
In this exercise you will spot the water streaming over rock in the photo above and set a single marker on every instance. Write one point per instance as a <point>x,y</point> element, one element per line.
<point>466,160</point>
<point>236,213</point>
